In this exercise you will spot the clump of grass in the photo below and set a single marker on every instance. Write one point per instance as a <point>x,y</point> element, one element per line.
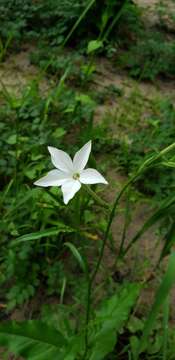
<point>152,55</point>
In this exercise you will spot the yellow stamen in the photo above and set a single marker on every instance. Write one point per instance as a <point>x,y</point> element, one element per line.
<point>76,176</point>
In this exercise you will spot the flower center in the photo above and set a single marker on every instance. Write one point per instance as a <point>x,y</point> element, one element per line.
<point>76,176</point>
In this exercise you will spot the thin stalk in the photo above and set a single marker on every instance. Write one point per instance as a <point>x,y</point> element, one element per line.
<point>154,158</point>
<point>78,21</point>
<point>16,149</point>
<point>90,126</point>
<point>96,197</point>
<point>126,222</point>
<point>109,29</point>
<point>166,309</point>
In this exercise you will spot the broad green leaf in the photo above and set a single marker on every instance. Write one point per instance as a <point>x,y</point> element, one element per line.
<point>94,45</point>
<point>59,132</point>
<point>45,233</point>
<point>75,347</point>
<point>110,319</point>
<point>33,340</point>
<point>85,99</point>
<point>12,139</point>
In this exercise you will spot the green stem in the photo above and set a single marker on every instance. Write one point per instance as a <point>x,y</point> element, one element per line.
<point>116,18</point>
<point>96,197</point>
<point>126,223</point>
<point>81,17</point>
<point>166,309</point>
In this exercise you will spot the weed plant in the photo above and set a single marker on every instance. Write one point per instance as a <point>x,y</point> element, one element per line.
<point>150,56</point>
<point>158,132</point>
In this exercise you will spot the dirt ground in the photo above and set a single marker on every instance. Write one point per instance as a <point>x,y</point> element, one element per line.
<point>158,12</point>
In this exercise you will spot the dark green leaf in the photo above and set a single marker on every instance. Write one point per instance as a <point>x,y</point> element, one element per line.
<point>110,320</point>
<point>33,340</point>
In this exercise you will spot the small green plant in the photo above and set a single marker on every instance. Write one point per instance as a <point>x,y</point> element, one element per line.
<point>4,46</point>
<point>150,57</point>
<point>158,132</point>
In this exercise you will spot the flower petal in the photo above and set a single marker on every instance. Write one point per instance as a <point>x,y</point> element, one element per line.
<point>60,159</point>
<point>53,178</point>
<point>92,176</point>
<point>81,157</point>
<point>69,189</point>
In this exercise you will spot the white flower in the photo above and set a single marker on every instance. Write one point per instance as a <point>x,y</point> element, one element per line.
<point>70,174</point>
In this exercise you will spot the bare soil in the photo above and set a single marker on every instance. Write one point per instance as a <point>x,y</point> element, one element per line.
<point>158,13</point>
<point>16,72</point>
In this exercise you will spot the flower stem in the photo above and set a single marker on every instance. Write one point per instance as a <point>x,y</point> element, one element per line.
<point>97,198</point>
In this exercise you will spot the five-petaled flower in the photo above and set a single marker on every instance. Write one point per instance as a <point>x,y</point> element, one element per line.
<point>70,174</point>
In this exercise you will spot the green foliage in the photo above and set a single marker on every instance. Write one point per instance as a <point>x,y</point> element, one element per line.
<point>160,297</point>
<point>56,335</point>
<point>33,233</point>
<point>52,21</point>
<point>110,319</point>
<point>33,338</point>
<point>152,55</point>
<point>156,134</point>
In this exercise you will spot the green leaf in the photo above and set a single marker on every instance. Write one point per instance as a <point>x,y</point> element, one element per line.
<point>33,340</point>
<point>110,320</point>
<point>85,99</point>
<point>153,219</point>
<point>94,45</point>
<point>30,173</point>
<point>161,296</point>
<point>45,233</point>
<point>12,139</point>
<point>170,164</point>
<point>30,194</point>
<point>77,255</point>
<point>169,242</point>
<point>59,132</point>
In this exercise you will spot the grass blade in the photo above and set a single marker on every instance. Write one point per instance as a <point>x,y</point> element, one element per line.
<point>160,298</point>
<point>81,17</point>
<point>41,234</point>
<point>77,255</point>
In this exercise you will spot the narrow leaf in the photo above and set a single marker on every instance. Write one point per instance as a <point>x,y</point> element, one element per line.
<point>153,219</point>
<point>161,296</point>
<point>77,255</point>
<point>45,233</point>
